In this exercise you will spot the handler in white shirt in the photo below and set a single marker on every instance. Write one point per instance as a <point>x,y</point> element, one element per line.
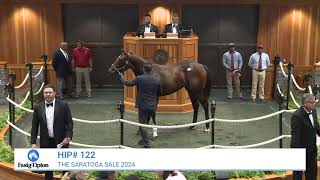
<point>232,62</point>
<point>259,62</point>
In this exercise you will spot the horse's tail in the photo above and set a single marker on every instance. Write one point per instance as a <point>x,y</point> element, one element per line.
<point>207,87</point>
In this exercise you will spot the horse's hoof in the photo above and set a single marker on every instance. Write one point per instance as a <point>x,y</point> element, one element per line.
<point>207,131</point>
<point>155,135</point>
<point>155,132</point>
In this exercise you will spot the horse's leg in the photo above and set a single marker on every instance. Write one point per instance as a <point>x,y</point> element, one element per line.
<point>195,105</point>
<point>155,130</point>
<point>205,105</point>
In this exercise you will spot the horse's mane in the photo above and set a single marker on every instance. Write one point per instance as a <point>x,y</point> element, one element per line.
<point>186,62</point>
<point>137,57</point>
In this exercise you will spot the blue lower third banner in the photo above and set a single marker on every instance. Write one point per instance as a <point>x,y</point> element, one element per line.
<point>159,159</point>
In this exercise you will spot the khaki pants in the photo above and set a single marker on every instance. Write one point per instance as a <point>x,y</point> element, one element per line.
<point>258,79</point>
<point>236,80</point>
<point>83,71</point>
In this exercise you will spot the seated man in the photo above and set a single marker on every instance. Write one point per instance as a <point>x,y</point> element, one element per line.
<point>147,26</point>
<point>173,27</point>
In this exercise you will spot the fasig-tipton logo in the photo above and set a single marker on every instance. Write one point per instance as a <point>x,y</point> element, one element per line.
<point>33,156</point>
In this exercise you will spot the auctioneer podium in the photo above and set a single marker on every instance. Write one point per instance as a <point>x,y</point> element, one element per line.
<point>177,50</point>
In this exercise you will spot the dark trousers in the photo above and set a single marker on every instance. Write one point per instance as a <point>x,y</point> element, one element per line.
<point>144,118</point>
<point>311,168</point>
<point>51,144</point>
<point>68,83</point>
<point>153,117</point>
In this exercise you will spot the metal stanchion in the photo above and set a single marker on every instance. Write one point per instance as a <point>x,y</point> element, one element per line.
<point>30,67</point>
<point>213,106</point>
<point>276,62</point>
<point>315,90</point>
<point>306,79</point>
<point>11,92</point>
<point>45,72</point>
<point>121,109</point>
<point>290,66</point>
<point>8,89</point>
<point>13,80</point>
<point>281,107</point>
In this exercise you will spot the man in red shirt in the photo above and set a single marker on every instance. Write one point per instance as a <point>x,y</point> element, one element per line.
<point>82,62</point>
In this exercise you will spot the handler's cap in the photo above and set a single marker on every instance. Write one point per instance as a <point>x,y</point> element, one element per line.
<point>147,67</point>
<point>232,45</point>
<point>260,46</point>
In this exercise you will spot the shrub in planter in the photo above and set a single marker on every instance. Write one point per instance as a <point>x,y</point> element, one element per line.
<point>143,175</point>
<point>199,175</point>
<point>6,153</point>
<point>3,119</point>
<point>246,174</point>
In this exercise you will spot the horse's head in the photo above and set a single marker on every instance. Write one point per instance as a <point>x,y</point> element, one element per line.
<point>121,63</point>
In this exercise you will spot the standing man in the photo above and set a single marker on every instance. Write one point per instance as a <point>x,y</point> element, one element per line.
<point>147,26</point>
<point>232,62</point>
<point>148,87</point>
<point>55,121</point>
<point>63,67</point>
<point>259,62</point>
<point>173,27</point>
<point>304,127</point>
<point>82,62</point>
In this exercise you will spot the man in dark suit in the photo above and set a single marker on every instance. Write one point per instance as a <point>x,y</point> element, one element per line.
<point>304,127</point>
<point>55,121</point>
<point>63,67</point>
<point>173,27</point>
<point>147,26</point>
<point>148,87</point>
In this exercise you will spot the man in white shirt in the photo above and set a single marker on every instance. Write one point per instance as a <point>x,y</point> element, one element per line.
<point>175,26</point>
<point>232,62</point>
<point>147,26</point>
<point>63,68</point>
<point>304,128</point>
<point>259,62</point>
<point>55,121</point>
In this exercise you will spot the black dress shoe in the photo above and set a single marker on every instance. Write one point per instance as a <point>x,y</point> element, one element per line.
<point>140,142</point>
<point>138,132</point>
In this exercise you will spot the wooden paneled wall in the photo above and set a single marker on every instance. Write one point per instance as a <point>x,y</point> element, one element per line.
<point>26,31</point>
<point>292,31</point>
<point>290,28</point>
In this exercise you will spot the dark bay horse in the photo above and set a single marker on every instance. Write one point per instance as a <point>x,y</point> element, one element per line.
<point>194,77</point>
